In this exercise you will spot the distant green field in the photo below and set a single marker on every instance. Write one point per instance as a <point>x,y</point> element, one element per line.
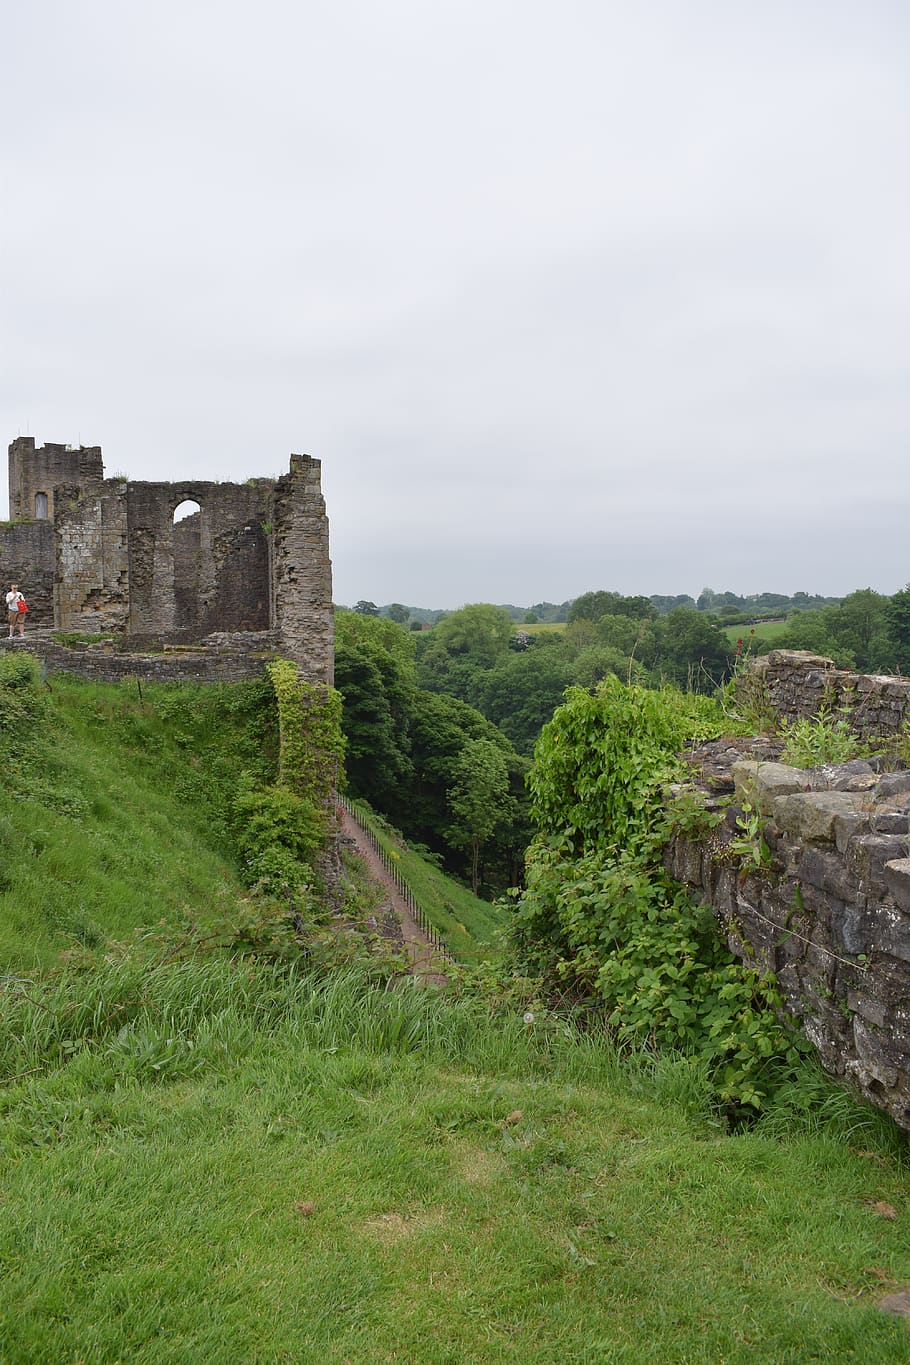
<point>543,627</point>
<point>764,630</point>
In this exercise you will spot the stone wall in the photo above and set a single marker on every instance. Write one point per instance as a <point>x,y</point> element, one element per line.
<point>91,578</point>
<point>793,683</point>
<point>110,558</point>
<point>27,558</point>
<point>302,569</point>
<point>232,657</point>
<point>212,574</point>
<point>825,904</point>
<point>41,470</point>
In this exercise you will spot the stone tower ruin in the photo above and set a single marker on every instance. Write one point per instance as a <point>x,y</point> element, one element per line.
<point>94,554</point>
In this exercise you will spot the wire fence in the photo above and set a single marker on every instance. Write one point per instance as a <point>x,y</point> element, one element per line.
<point>399,882</point>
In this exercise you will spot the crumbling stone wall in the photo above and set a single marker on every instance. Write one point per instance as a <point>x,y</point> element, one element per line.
<point>91,578</point>
<point>230,657</point>
<point>302,570</point>
<point>826,907</point>
<point>795,683</point>
<point>43,469</point>
<point>210,574</point>
<point>27,558</point>
<point>109,557</point>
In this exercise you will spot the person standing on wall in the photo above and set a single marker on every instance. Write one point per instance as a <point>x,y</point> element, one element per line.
<point>15,605</point>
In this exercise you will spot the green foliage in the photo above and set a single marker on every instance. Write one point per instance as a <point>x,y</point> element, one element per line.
<point>479,798</point>
<point>601,763</point>
<point>311,741</point>
<point>749,845</point>
<point>374,673</point>
<point>22,703</point>
<point>618,930</point>
<point>599,915</point>
<point>688,815</point>
<point>591,606</point>
<point>279,834</point>
<point>864,632</point>
<point>823,738</point>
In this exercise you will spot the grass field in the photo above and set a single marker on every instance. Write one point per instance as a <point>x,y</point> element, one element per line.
<point>224,1163</point>
<point>764,630</point>
<point>221,1157</point>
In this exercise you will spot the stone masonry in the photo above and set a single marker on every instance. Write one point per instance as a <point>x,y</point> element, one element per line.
<point>104,556</point>
<point>809,872</point>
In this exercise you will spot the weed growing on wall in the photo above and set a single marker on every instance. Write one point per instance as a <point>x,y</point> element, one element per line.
<point>824,738</point>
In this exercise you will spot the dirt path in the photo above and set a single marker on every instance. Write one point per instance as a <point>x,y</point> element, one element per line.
<point>423,957</point>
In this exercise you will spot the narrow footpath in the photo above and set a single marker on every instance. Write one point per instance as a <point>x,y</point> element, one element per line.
<point>423,957</point>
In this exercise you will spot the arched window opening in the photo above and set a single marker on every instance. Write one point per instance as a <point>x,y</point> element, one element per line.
<point>185,509</point>
<point>41,507</point>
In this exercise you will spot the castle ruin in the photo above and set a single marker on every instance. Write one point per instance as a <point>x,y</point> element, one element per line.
<point>105,555</point>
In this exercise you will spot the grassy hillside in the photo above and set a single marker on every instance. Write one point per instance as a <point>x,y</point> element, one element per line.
<point>216,1154</point>
<point>114,809</point>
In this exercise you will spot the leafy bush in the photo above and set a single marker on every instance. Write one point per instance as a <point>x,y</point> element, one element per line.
<point>600,916</point>
<point>278,834</point>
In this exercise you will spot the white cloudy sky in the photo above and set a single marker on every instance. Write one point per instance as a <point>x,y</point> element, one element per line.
<point>603,293</point>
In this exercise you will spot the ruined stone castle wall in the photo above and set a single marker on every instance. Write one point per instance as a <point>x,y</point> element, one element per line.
<point>302,570</point>
<point>809,873</point>
<point>105,555</point>
<point>34,471</point>
<point>210,574</point>
<point>91,579</point>
<point>27,558</point>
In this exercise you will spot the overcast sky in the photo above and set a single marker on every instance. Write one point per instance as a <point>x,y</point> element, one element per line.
<point>596,294</point>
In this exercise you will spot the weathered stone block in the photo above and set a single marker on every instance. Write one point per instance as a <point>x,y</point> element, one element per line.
<point>891,822</point>
<point>810,816</point>
<point>892,784</point>
<point>889,927</point>
<point>866,857</point>
<point>897,881</point>
<point>846,827</point>
<point>759,783</point>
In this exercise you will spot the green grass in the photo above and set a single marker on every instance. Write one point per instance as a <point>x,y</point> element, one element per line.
<point>470,926</point>
<point>214,1158</point>
<point>328,1171</point>
<point>115,815</point>
<point>542,627</point>
<point>764,630</point>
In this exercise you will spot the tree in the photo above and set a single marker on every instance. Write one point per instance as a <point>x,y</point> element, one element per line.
<point>521,693</point>
<point>591,606</point>
<point>398,613</point>
<point>366,608</point>
<point>687,648</point>
<point>897,619</point>
<point>374,672</point>
<point>479,799</point>
<point>467,641</point>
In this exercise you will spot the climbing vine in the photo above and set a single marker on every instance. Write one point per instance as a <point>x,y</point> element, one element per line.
<point>599,915</point>
<point>309,725</point>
